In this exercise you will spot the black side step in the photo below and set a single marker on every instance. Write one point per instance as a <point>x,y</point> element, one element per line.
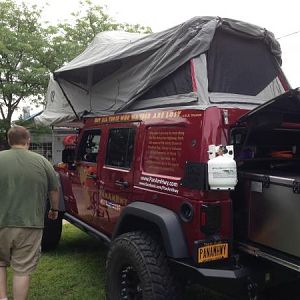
<point>87,228</point>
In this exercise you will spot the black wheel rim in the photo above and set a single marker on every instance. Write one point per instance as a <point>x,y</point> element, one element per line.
<point>130,284</point>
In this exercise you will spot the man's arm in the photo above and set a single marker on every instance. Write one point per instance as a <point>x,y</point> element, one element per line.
<point>54,204</point>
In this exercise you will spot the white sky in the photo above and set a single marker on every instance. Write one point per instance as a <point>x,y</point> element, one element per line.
<point>280,17</point>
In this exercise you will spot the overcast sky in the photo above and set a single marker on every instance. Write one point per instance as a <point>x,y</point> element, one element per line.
<point>280,17</point>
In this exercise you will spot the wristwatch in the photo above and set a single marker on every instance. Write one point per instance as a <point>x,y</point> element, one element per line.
<point>52,209</point>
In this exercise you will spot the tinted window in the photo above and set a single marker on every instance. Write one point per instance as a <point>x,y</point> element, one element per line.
<point>89,146</point>
<point>120,147</point>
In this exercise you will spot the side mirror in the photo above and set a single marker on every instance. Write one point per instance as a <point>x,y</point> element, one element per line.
<point>72,166</point>
<point>68,156</point>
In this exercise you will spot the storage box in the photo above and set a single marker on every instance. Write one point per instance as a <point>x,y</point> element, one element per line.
<point>271,201</point>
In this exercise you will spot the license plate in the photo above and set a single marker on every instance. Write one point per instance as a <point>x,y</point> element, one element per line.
<point>212,252</point>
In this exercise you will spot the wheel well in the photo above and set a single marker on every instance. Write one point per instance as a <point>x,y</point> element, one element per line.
<point>134,223</point>
<point>139,216</point>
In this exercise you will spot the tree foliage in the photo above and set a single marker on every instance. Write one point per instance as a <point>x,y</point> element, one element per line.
<point>31,49</point>
<point>22,40</point>
<point>68,39</point>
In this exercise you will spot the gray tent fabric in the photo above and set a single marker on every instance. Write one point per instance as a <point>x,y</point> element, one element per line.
<point>118,67</point>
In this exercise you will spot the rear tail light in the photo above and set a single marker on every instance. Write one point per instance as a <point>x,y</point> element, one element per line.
<point>210,218</point>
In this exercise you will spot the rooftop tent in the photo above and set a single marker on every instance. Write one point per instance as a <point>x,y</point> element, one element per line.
<point>203,61</point>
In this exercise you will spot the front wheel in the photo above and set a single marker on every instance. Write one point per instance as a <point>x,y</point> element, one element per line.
<point>137,268</point>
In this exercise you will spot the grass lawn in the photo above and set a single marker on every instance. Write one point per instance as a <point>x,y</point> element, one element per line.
<point>76,270</point>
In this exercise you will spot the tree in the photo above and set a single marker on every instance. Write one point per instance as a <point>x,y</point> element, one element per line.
<point>22,42</point>
<point>3,142</point>
<point>69,39</point>
<point>31,49</point>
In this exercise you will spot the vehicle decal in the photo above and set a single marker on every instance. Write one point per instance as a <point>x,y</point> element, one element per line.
<point>138,116</point>
<point>101,201</point>
<point>159,183</point>
<point>163,150</point>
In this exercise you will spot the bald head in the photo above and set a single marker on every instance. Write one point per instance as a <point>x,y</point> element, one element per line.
<point>18,136</point>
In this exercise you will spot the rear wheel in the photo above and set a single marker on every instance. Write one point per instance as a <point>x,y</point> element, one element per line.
<point>137,268</point>
<point>52,231</point>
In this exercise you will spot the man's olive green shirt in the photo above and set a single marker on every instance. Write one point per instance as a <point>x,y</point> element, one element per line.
<point>25,180</point>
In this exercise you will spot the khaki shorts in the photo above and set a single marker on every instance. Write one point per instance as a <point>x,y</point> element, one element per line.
<point>20,248</point>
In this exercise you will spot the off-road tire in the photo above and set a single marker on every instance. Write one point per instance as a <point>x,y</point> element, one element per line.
<point>52,231</point>
<point>138,257</point>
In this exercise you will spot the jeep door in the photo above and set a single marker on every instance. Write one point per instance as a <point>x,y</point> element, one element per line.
<point>116,182</point>
<point>84,177</point>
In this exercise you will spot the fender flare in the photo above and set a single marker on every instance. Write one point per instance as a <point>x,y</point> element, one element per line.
<point>165,219</point>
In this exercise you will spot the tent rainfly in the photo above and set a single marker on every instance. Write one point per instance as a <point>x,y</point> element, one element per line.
<point>204,61</point>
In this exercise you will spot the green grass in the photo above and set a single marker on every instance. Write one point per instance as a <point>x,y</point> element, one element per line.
<point>76,270</point>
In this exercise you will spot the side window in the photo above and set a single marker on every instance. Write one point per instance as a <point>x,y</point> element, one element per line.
<point>120,147</point>
<point>89,147</point>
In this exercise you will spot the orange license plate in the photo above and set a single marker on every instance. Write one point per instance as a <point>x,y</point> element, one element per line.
<point>212,252</point>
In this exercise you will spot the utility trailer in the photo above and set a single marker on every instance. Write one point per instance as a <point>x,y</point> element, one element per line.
<point>267,198</point>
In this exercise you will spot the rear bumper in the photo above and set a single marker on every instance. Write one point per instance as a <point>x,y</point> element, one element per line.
<point>222,277</point>
<point>215,271</point>
<point>251,276</point>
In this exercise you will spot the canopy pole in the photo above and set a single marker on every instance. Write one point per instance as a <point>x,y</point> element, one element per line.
<point>89,84</point>
<point>65,95</point>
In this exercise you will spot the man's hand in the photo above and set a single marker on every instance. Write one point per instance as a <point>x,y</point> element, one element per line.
<point>54,203</point>
<point>52,215</point>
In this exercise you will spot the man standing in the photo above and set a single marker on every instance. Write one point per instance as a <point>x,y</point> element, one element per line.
<point>26,178</point>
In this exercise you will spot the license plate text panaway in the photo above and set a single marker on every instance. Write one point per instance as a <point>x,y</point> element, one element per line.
<point>212,252</point>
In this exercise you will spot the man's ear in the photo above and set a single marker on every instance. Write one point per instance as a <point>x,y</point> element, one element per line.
<point>28,142</point>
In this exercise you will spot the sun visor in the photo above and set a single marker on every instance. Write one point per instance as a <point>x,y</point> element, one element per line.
<point>277,112</point>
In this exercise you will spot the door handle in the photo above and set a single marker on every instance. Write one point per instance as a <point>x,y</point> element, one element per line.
<point>121,183</point>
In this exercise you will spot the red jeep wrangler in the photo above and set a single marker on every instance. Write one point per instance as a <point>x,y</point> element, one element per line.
<point>172,121</point>
<point>144,184</point>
